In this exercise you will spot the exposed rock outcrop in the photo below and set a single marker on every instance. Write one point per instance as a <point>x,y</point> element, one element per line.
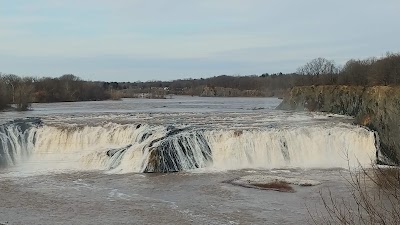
<point>376,107</point>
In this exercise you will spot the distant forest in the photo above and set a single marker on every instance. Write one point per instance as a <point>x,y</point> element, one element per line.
<point>22,91</point>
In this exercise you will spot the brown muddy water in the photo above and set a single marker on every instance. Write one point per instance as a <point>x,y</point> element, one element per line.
<point>85,162</point>
<point>175,198</point>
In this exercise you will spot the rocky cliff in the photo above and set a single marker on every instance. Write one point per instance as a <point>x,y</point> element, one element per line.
<point>376,107</point>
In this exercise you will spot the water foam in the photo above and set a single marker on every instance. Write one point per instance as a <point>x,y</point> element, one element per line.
<point>17,139</point>
<point>117,148</point>
<point>304,147</point>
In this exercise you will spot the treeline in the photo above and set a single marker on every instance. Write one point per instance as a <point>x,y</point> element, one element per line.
<point>319,71</point>
<point>363,72</point>
<point>252,85</point>
<point>22,91</point>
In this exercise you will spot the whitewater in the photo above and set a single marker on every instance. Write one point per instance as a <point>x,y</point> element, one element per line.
<point>164,154</point>
<point>232,141</point>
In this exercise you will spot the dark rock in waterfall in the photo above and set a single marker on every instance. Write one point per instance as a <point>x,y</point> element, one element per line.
<point>178,150</point>
<point>170,127</point>
<point>112,152</point>
<point>144,137</point>
<point>285,151</point>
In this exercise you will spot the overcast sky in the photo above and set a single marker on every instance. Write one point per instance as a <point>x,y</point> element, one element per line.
<point>131,40</point>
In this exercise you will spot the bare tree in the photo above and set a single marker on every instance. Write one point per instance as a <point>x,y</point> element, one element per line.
<point>23,94</point>
<point>13,82</point>
<point>318,67</point>
<point>4,97</point>
<point>375,200</point>
<point>386,70</point>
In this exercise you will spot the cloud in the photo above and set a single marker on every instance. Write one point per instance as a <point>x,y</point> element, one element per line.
<point>175,37</point>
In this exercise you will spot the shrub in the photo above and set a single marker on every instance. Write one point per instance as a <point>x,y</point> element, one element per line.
<point>375,199</point>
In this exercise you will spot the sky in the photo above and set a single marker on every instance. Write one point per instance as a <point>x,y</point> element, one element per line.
<point>141,40</point>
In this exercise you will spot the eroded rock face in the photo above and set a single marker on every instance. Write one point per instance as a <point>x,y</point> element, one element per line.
<point>376,107</point>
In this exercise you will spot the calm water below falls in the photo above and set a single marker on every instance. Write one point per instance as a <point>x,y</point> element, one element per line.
<point>141,161</point>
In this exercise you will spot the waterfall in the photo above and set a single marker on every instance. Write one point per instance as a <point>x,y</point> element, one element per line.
<point>118,148</point>
<point>17,140</point>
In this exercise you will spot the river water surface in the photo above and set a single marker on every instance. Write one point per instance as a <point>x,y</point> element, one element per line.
<point>143,161</point>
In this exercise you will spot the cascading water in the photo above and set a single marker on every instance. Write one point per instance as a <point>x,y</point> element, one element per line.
<point>305,147</point>
<point>17,139</point>
<point>150,148</point>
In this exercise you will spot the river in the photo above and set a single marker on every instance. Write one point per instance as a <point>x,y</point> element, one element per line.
<point>166,161</point>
